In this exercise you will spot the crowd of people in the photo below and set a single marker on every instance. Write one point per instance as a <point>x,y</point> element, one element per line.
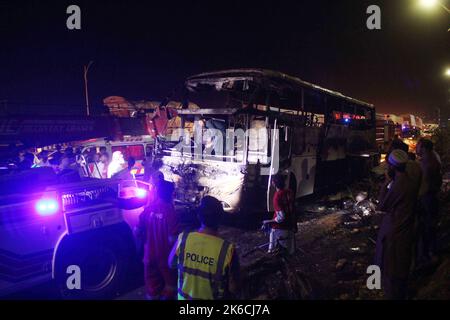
<point>200,264</point>
<point>71,164</point>
<point>409,198</point>
<point>208,268</point>
<point>180,265</point>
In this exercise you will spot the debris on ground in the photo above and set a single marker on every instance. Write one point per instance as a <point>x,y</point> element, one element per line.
<point>340,264</point>
<point>335,242</point>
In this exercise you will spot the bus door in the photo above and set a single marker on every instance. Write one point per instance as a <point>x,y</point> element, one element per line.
<point>305,145</point>
<point>281,144</point>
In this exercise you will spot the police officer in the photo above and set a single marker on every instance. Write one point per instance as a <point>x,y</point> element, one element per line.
<point>208,266</point>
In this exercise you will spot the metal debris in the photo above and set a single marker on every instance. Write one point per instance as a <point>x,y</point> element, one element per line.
<point>340,264</point>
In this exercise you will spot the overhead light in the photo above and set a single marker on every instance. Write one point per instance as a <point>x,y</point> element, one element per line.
<point>428,3</point>
<point>447,72</point>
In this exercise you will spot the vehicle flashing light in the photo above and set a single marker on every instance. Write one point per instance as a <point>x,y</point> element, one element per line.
<point>141,193</point>
<point>346,120</point>
<point>46,207</point>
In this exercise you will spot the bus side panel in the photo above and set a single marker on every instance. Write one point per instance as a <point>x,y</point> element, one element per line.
<point>334,146</point>
<point>304,169</point>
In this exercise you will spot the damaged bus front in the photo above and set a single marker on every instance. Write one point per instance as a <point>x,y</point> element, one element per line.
<point>239,127</point>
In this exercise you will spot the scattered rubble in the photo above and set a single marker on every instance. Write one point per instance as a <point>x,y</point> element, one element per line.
<point>336,242</point>
<point>340,264</point>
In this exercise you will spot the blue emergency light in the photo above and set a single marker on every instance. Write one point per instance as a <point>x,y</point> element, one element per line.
<point>46,207</point>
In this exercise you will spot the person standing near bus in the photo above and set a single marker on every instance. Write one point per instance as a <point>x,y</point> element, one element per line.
<point>284,223</point>
<point>160,224</point>
<point>395,242</point>
<point>208,266</point>
<point>428,198</point>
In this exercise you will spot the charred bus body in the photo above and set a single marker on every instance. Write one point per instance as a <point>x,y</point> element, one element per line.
<point>251,123</point>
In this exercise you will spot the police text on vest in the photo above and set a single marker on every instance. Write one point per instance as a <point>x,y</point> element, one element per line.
<point>200,259</point>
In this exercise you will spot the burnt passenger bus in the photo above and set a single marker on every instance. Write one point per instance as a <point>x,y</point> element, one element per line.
<point>263,122</point>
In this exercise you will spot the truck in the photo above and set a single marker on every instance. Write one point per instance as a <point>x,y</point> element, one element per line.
<point>50,227</point>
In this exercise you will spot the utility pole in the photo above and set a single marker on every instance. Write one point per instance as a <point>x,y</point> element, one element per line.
<point>86,93</point>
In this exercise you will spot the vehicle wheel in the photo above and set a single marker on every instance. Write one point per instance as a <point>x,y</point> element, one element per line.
<point>104,261</point>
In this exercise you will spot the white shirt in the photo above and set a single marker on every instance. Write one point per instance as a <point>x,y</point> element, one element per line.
<point>113,168</point>
<point>99,170</point>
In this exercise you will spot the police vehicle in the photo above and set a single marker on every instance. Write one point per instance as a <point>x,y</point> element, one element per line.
<point>48,228</point>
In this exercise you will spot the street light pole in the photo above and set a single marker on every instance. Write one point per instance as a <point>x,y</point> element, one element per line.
<point>86,93</point>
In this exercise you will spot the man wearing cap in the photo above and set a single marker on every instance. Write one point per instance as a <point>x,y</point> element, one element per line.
<point>395,245</point>
<point>208,266</point>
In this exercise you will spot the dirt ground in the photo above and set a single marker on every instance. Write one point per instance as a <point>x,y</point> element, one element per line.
<point>332,257</point>
<point>333,252</point>
<point>334,249</point>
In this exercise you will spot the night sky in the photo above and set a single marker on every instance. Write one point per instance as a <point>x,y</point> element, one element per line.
<point>142,49</point>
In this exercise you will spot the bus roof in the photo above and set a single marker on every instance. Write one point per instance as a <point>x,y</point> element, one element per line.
<point>269,77</point>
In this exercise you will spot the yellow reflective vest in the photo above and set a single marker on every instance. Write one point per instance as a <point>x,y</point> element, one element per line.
<point>203,261</point>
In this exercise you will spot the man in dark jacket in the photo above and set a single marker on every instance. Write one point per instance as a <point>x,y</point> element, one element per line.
<point>395,241</point>
<point>428,197</point>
